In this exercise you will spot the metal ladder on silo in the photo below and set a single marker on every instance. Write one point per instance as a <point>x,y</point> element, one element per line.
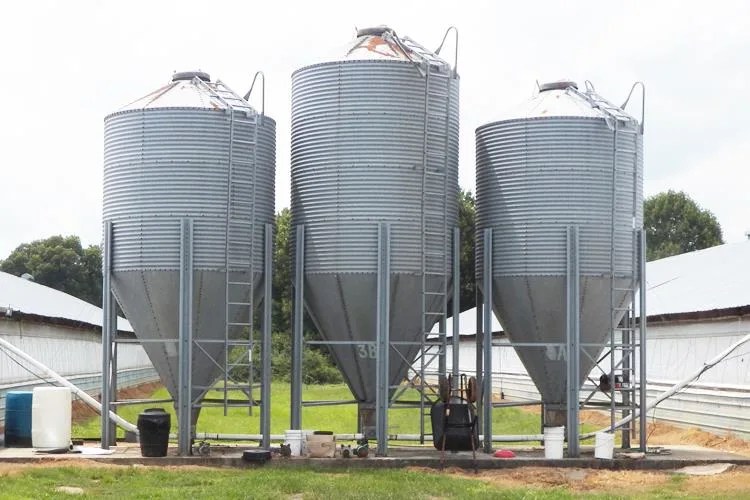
<point>434,229</point>
<point>623,331</point>
<point>239,296</point>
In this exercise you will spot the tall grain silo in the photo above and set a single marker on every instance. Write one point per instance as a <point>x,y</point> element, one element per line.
<point>564,158</point>
<point>191,149</point>
<point>375,139</point>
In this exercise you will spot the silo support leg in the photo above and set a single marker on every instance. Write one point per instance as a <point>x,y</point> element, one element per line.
<point>265,380</point>
<point>642,322</point>
<point>185,387</point>
<point>456,338</point>
<point>487,342</point>
<point>108,437</point>
<point>382,338</point>
<point>573,340</point>
<point>297,338</point>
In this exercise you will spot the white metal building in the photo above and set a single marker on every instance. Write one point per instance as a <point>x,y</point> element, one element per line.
<point>698,304</point>
<point>62,332</point>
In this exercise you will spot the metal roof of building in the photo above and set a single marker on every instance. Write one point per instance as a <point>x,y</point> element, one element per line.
<point>713,279</point>
<point>27,297</point>
<point>700,281</point>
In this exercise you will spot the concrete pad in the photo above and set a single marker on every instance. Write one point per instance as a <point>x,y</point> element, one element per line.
<point>230,455</point>
<point>705,470</point>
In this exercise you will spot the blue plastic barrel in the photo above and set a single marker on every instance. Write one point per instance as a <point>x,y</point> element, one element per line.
<point>18,418</point>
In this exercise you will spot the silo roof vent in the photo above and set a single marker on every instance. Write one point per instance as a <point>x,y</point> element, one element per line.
<point>189,75</point>
<point>375,31</point>
<point>558,85</point>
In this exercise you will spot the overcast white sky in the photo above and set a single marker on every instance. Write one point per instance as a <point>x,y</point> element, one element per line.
<point>65,65</point>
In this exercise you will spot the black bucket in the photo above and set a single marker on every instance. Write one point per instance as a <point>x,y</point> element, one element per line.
<point>153,427</point>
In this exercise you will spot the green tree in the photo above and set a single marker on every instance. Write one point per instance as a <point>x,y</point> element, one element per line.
<point>466,222</point>
<point>282,273</point>
<point>60,262</point>
<point>675,224</point>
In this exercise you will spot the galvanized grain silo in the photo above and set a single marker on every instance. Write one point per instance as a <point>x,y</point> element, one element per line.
<point>375,139</point>
<point>190,149</point>
<point>565,157</point>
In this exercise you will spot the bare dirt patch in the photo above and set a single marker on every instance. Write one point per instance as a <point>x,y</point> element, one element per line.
<point>604,481</point>
<point>9,469</point>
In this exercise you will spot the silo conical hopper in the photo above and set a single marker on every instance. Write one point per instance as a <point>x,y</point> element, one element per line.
<point>168,156</point>
<point>373,142</point>
<point>562,158</point>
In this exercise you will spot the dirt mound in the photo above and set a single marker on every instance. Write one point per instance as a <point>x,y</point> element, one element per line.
<point>83,412</point>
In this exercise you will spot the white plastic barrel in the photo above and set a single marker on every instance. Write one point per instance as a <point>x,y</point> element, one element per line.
<point>554,437</point>
<point>604,445</point>
<point>51,417</point>
<point>295,439</point>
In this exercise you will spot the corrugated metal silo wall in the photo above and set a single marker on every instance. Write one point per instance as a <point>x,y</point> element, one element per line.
<point>358,139</point>
<point>534,178</point>
<point>166,163</point>
<point>163,164</point>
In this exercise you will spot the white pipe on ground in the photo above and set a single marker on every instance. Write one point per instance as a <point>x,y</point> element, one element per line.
<point>65,383</point>
<point>352,437</point>
<point>676,388</point>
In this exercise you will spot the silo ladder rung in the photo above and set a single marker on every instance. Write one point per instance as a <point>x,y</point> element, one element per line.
<point>245,262</point>
<point>239,303</point>
<point>241,222</point>
<point>428,313</point>
<point>440,154</point>
<point>242,182</point>
<point>623,289</point>
<point>434,254</point>
<point>434,273</point>
<point>239,283</point>
<point>238,324</point>
<point>438,93</point>
<point>434,293</point>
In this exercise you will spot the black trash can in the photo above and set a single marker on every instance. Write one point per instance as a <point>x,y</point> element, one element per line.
<point>153,428</point>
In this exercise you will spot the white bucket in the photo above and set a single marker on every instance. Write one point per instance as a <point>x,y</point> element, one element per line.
<point>604,446</point>
<point>51,415</point>
<point>295,439</point>
<point>554,437</point>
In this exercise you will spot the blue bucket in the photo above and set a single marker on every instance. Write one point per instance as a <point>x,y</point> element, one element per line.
<point>18,418</point>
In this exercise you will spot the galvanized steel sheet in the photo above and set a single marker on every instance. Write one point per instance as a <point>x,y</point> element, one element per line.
<point>167,156</point>
<point>535,177</point>
<point>358,147</point>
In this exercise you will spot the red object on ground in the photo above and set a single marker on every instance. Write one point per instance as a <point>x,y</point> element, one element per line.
<point>504,454</point>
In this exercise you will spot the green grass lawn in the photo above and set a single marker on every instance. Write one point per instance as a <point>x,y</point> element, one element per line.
<point>309,484</point>
<point>340,418</point>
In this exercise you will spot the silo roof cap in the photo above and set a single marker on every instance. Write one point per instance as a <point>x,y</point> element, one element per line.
<point>381,43</point>
<point>563,99</point>
<point>190,89</point>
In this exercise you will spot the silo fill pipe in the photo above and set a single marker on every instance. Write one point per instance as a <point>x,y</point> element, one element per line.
<point>65,383</point>
<point>676,388</point>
